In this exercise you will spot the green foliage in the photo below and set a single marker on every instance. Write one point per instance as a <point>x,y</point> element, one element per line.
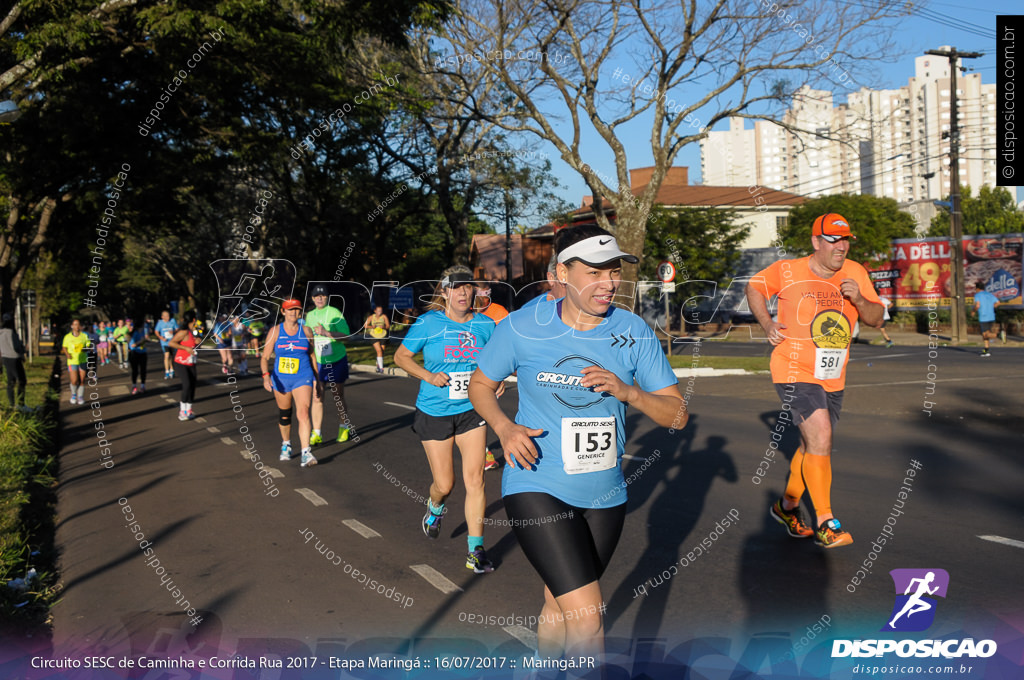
<point>277,71</point>
<point>27,475</point>
<point>874,221</point>
<point>992,211</point>
<point>702,243</point>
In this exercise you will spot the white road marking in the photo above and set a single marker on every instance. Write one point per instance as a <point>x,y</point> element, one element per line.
<point>524,635</point>
<point>940,380</point>
<point>169,400</point>
<point>201,419</point>
<point>228,440</point>
<point>391,403</point>
<point>311,496</point>
<point>1004,541</point>
<point>436,578</point>
<point>274,472</point>
<point>629,457</point>
<point>118,390</point>
<point>360,528</point>
<point>211,429</point>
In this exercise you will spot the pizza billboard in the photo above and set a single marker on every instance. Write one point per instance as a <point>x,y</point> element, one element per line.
<point>918,274</point>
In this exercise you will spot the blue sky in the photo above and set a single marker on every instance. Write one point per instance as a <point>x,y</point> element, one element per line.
<point>951,24</point>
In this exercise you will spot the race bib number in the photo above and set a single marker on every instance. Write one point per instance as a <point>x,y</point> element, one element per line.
<point>588,445</point>
<point>458,384</point>
<point>287,365</point>
<point>828,363</point>
<point>321,344</point>
<point>168,334</point>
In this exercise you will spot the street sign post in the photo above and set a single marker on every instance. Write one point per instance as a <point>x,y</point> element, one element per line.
<point>667,274</point>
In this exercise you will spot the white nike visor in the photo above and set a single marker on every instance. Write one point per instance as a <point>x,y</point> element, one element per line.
<point>596,251</point>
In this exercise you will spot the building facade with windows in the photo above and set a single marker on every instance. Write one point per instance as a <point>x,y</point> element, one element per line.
<point>888,143</point>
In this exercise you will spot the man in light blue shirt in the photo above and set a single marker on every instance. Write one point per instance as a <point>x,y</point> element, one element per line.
<point>985,303</point>
<point>166,327</point>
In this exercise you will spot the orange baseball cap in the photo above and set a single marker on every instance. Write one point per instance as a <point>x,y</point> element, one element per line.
<point>291,304</point>
<point>832,225</point>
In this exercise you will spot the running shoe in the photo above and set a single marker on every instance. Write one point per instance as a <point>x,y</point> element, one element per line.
<point>478,562</point>
<point>890,344</point>
<point>135,390</point>
<point>307,459</point>
<point>224,369</point>
<point>489,462</point>
<point>315,439</point>
<point>182,415</point>
<point>74,400</point>
<point>832,535</point>
<point>985,353</point>
<point>142,389</point>
<point>189,415</point>
<point>343,434</point>
<point>431,524</point>
<point>380,370</point>
<point>791,519</point>
<point>1002,335</point>
<point>286,452</point>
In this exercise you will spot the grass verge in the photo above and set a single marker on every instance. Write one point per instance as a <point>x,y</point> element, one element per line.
<point>28,479</point>
<point>746,363</point>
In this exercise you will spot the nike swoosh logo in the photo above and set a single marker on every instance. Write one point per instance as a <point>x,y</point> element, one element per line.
<point>604,243</point>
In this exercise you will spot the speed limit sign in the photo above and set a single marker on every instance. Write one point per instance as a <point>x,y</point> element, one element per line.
<point>666,272</point>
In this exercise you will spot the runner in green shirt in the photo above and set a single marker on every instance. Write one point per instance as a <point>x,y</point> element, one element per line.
<point>74,346</point>
<point>121,342</point>
<point>329,327</point>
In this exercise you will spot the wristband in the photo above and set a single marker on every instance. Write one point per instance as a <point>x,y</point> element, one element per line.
<point>266,374</point>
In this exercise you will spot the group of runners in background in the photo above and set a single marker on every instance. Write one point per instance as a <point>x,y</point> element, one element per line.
<point>575,377</point>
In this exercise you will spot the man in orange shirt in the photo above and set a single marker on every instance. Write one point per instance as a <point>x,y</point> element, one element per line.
<point>820,298</point>
<point>482,303</point>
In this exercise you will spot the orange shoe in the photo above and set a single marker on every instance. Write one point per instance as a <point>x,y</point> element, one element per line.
<point>489,462</point>
<point>831,535</point>
<point>791,519</point>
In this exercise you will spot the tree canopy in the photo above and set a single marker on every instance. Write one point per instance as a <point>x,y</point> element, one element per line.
<point>579,73</point>
<point>992,211</point>
<point>874,221</point>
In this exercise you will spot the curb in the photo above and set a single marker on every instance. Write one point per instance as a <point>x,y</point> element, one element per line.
<point>712,372</point>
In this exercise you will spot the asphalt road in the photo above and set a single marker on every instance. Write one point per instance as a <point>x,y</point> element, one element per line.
<point>252,563</point>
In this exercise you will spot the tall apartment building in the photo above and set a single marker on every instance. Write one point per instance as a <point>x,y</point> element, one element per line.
<point>881,142</point>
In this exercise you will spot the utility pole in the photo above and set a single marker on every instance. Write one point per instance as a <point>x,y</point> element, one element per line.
<point>508,239</point>
<point>957,306</point>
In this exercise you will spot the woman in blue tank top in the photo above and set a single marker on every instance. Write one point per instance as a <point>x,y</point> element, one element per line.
<point>292,378</point>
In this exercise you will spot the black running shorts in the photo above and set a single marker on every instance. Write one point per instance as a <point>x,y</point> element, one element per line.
<point>438,428</point>
<point>806,398</point>
<point>568,546</point>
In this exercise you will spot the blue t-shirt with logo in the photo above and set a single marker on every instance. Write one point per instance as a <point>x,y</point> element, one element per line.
<point>137,340</point>
<point>448,347</point>
<point>548,357</point>
<point>165,330</point>
<point>986,302</point>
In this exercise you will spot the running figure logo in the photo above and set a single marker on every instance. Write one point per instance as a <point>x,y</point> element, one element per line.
<point>253,290</point>
<point>914,610</point>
